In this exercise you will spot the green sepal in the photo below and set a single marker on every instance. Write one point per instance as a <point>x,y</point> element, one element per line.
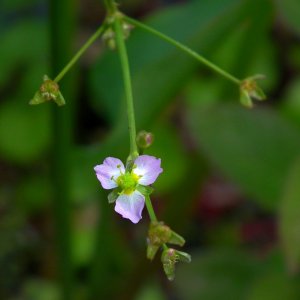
<point>245,99</point>
<point>59,100</point>
<point>145,190</point>
<point>151,251</point>
<point>37,99</point>
<point>176,239</point>
<point>184,257</point>
<point>258,94</point>
<point>112,196</point>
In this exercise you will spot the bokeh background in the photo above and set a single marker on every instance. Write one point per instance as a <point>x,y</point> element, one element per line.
<point>231,176</point>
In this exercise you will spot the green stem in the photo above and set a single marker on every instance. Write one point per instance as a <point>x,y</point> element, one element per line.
<point>184,48</point>
<point>62,37</point>
<point>152,214</point>
<point>110,6</point>
<point>127,86</point>
<point>150,209</point>
<point>88,43</point>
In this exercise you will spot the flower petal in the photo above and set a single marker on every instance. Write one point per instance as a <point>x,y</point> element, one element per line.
<point>130,206</point>
<point>148,168</point>
<point>109,171</point>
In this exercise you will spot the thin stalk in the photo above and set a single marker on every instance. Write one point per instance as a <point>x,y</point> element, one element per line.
<point>152,214</point>
<point>150,209</point>
<point>62,29</point>
<point>184,48</point>
<point>127,86</point>
<point>110,6</point>
<point>88,43</point>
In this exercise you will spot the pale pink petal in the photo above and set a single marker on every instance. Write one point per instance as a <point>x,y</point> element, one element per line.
<point>109,171</point>
<point>130,206</point>
<point>148,168</point>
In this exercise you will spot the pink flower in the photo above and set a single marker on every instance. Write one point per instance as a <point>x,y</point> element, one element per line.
<point>130,201</point>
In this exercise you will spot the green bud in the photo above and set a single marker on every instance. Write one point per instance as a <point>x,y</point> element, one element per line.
<point>126,29</point>
<point>144,139</point>
<point>48,91</point>
<point>170,257</point>
<point>109,38</point>
<point>158,235</point>
<point>249,90</point>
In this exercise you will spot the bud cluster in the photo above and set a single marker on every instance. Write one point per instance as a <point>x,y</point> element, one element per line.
<point>49,90</point>
<point>159,235</point>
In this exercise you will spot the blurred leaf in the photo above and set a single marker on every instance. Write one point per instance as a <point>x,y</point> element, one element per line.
<point>168,147</point>
<point>273,286</point>
<point>253,148</point>
<point>291,104</point>
<point>289,217</point>
<point>31,37</point>
<point>38,289</point>
<point>12,5</point>
<point>82,245</point>
<point>150,292</point>
<point>290,13</point>
<point>158,69</point>
<point>215,275</point>
<point>24,131</point>
<point>33,194</point>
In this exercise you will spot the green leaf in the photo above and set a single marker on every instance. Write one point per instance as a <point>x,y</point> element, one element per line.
<point>215,275</point>
<point>273,286</point>
<point>253,148</point>
<point>24,131</point>
<point>290,13</point>
<point>289,218</point>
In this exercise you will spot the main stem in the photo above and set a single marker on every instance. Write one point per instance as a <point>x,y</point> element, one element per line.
<point>88,43</point>
<point>62,34</point>
<point>127,85</point>
<point>184,48</point>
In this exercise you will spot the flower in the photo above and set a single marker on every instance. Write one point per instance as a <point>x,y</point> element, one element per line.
<point>130,201</point>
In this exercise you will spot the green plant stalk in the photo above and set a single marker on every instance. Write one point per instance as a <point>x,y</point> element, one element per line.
<point>127,86</point>
<point>80,52</point>
<point>184,48</point>
<point>62,29</point>
<point>150,209</point>
<point>152,214</point>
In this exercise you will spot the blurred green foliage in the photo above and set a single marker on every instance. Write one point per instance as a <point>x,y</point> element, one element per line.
<point>201,133</point>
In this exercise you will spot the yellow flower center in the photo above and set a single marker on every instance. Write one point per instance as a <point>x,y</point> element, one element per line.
<point>128,182</point>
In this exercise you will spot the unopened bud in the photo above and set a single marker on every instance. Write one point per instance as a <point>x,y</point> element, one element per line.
<point>170,257</point>
<point>109,38</point>
<point>144,139</point>
<point>48,91</point>
<point>249,90</point>
<point>158,235</point>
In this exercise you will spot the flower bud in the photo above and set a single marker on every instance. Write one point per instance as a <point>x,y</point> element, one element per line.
<point>109,38</point>
<point>49,90</point>
<point>170,257</point>
<point>249,90</point>
<point>158,235</point>
<point>144,139</point>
